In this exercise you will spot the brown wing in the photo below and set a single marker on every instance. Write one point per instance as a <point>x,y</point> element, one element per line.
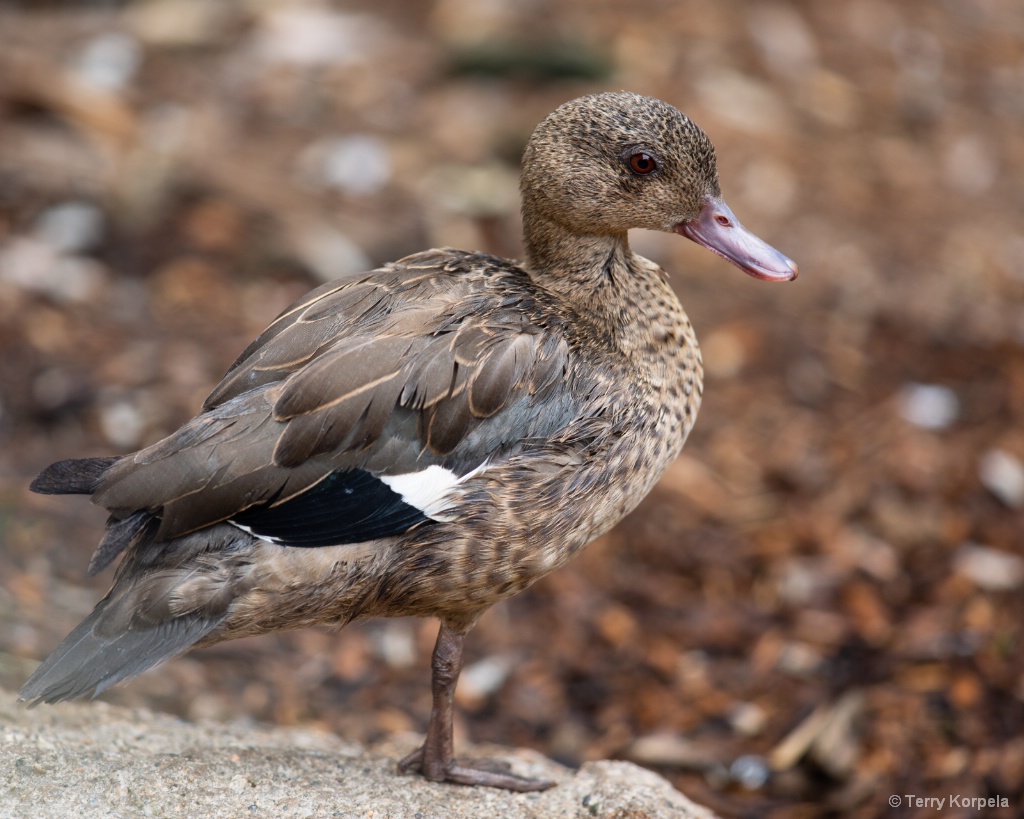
<point>421,363</point>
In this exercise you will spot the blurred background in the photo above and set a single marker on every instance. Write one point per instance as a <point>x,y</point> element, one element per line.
<point>819,606</point>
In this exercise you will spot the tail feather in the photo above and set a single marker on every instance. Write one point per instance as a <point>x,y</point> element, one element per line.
<point>166,598</point>
<point>119,535</point>
<point>88,661</point>
<point>75,476</point>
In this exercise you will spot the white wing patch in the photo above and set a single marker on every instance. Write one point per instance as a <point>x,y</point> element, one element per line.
<point>248,531</point>
<point>429,490</point>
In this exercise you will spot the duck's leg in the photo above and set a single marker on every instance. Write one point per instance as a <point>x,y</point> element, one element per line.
<point>434,759</point>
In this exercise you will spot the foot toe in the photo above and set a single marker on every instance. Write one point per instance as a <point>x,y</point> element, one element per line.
<point>487,773</point>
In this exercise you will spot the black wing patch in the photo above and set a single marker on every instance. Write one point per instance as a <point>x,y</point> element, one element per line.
<point>345,507</point>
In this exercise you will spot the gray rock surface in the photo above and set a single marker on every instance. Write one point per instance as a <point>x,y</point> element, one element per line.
<point>88,760</point>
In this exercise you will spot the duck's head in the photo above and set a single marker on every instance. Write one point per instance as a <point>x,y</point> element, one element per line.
<point>606,163</point>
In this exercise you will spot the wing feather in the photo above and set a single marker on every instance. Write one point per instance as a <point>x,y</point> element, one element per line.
<point>344,374</point>
<point>421,363</point>
<point>500,375</point>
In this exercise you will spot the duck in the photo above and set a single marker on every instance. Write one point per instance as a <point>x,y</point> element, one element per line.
<point>428,438</point>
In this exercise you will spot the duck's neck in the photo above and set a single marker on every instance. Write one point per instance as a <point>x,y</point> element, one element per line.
<point>626,299</point>
<point>580,267</point>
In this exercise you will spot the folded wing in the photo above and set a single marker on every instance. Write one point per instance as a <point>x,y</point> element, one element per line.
<point>361,382</point>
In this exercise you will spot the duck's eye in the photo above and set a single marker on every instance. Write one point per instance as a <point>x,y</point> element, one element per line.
<point>642,163</point>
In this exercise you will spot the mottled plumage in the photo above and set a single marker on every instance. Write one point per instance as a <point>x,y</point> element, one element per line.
<point>428,438</point>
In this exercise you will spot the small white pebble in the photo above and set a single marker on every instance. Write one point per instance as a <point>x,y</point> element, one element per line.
<point>929,406</point>
<point>33,265</point>
<point>989,568</point>
<point>71,227</point>
<point>748,719</point>
<point>750,771</point>
<point>1002,474</point>
<point>396,645</point>
<point>799,659</point>
<point>239,783</point>
<point>109,61</point>
<point>801,580</point>
<point>359,164</point>
<point>304,35</point>
<point>52,388</point>
<point>483,678</point>
<point>122,423</point>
